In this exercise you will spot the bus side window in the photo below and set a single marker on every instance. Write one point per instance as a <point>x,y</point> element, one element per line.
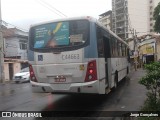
<point>120,49</point>
<point>128,54</point>
<point>116,48</point>
<point>112,46</point>
<point>107,48</point>
<point>123,49</point>
<point>100,45</point>
<point>117,44</point>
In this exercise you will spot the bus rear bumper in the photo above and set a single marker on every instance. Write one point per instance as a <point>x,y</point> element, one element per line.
<point>87,87</point>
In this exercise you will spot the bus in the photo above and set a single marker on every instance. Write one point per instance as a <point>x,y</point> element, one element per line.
<point>76,55</point>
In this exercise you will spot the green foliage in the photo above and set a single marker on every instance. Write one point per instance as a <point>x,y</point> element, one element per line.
<point>157,25</point>
<point>156,11</point>
<point>148,118</point>
<point>151,104</point>
<point>151,81</point>
<point>156,17</point>
<point>152,77</point>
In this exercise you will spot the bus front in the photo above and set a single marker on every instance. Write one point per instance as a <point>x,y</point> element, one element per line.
<point>58,57</point>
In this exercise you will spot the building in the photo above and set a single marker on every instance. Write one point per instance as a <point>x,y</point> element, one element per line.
<point>106,19</point>
<point>147,48</point>
<point>15,51</point>
<point>152,5</point>
<point>129,14</point>
<point>15,43</point>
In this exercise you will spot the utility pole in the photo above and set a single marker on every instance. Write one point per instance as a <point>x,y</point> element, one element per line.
<point>135,49</point>
<point>1,50</point>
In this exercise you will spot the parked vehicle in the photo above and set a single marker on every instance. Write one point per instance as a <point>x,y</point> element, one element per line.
<point>22,76</point>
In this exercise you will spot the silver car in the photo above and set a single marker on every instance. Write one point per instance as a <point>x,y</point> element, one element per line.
<point>22,76</point>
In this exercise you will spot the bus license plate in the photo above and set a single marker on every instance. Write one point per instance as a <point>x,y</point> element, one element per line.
<point>59,80</point>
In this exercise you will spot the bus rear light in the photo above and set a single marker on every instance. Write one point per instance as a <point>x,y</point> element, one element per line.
<point>91,64</point>
<point>32,75</point>
<point>91,73</point>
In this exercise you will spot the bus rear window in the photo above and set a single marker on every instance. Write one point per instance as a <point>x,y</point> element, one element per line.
<point>59,35</point>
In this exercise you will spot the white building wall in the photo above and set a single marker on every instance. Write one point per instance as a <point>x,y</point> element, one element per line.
<point>6,71</point>
<point>23,54</point>
<point>12,48</point>
<point>138,16</point>
<point>106,20</point>
<point>16,68</point>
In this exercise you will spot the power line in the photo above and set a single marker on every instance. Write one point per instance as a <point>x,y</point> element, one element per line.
<point>6,24</point>
<point>53,8</point>
<point>50,8</point>
<point>40,2</point>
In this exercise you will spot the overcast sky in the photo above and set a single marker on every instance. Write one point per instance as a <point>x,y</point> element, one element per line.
<point>23,13</point>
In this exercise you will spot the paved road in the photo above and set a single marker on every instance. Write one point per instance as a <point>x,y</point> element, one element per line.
<point>129,96</point>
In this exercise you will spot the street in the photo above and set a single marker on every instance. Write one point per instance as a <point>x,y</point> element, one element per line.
<point>129,96</point>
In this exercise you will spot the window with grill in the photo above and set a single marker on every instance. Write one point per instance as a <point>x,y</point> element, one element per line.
<point>23,46</point>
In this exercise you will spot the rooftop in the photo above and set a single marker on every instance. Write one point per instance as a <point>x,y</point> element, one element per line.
<point>13,32</point>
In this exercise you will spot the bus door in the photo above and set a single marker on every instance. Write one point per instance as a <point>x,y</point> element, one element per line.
<point>106,55</point>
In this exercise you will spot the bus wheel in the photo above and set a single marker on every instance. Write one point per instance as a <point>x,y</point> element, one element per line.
<point>116,80</point>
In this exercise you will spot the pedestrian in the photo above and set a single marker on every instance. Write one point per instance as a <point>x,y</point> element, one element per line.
<point>135,65</point>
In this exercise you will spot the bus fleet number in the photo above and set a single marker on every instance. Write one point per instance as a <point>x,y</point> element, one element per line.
<point>70,56</point>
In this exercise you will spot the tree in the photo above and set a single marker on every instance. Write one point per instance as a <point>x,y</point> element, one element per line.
<point>152,82</point>
<point>156,17</point>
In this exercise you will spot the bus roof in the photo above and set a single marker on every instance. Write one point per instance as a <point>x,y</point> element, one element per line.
<point>91,19</point>
<point>67,19</point>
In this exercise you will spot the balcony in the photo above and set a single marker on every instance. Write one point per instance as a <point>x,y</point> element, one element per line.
<point>119,8</point>
<point>118,1</point>
<point>121,20</point>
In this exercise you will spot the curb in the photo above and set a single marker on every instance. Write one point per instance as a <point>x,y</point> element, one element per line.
<point>6,82</point>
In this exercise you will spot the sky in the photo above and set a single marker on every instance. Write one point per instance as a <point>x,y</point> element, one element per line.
<point>23,13</point>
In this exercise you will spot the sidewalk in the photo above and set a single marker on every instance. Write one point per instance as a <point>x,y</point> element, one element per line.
<point>130,95</point>
<point>136,91</point>
<point>136,75</point>
<point>6,82</point>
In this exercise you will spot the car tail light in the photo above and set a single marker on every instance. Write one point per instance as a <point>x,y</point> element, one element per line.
<point>91,73</point>
<point>32,75</point>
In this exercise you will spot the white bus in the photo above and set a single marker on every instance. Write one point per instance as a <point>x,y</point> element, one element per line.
<point>76,55</point>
